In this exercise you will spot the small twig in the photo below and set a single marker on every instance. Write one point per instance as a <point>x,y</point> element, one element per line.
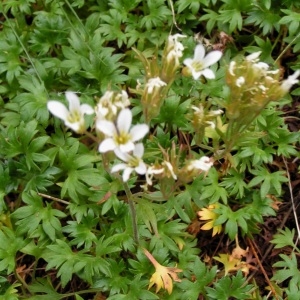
<point>271,246</point>
<point>173,15</point>
<point>53,198</point>
<point>24,285</point>
<point>262,268</point>
<point>286,48</point>
<point>292,198</point>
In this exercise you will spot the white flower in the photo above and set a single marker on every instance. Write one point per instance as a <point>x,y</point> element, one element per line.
<point>240,81</point>
<point>104,105</point>
<point>119,135</point>
<point>211,124</point>
<point>290,81</point>
<point>153,83</point>
<point>253,57</point>
<point>74,117</point>
<point>110,103</point>
<point>152,171</point>
<point>203,164</point>
<point>173,40</point>
<point>261,66</point>
<point>170,168</point>
<point>175,46</point>
<point>200,110</point>
<point>232,67</point>
<point>132,162</point>
<point>200,63</point>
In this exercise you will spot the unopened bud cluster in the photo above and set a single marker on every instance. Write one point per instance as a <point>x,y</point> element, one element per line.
<point>159,76</point>
<point>110,104</point>
<point>252,86</point>
<point>203,118</point>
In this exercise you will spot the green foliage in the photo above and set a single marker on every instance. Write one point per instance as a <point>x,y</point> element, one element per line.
<point>237,288</point>
<point>37,219</point>
<point>284,238</point>
<point>69,227</point>
<point>61,257</point>
<point>204,277</point>
<point>212,189</point>
<point>11,244</point>
<point>264,16</point>
<point>271,182</point>
<point>10,63</point>
<point>289,269</point>
<point>11,293</point>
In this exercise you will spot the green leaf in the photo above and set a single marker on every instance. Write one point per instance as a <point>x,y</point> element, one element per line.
<point>43,290</point>
<point>239,289</point>
<point>11,293</point>
<point>35,216</point>
<point>289,269</point>
<point>204,277</point>
<point>9,246</point>
<point>146,212</point>
<point>284,237</point>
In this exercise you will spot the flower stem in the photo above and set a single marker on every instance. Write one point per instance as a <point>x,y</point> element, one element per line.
<point>132,212</point>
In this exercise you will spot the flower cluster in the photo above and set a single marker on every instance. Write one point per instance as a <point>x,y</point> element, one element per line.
<point>159,76</point>
<point>253,85</point>
<point>110,104</point>
<point>113,121</point>
<point>120,137</point>
<point>203,118</point>
<point>172,53</point>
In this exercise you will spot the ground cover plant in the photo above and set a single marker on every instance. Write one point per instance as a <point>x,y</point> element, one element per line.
<point>149,149</point>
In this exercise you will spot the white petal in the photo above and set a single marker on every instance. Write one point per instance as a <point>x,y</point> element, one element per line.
<point>106,127</point>
<point>124,120</point>
<point>138,132</point>
<point>188,62</point>
<point>211,58</point>
<point>107,145</point>
<point>290,81</point>
<point>74,102</point>
<point>204,163</point>
<point>121,155</point>
<point>141,168</point>
<point>86,109</point>
<point>199,52</point>
<point>129,146</point>
<point>262,66</point>
<point>240,81</point>
<point>74,126</point>
<point>118,167</point>
<point>151,170</point>
<point>253,56</point>
<point>196,75</point>
<point>208,73</point>
<point>58,109</point>
<point>170,167</point>
<point>126,174</point>
<point>138,150</point>
<point>232,67</point>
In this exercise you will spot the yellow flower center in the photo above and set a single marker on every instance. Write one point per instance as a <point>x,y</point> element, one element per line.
<point>197,65</point>
<point>122,138</point>
<point>133,162</point>
<point>74,116</point>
